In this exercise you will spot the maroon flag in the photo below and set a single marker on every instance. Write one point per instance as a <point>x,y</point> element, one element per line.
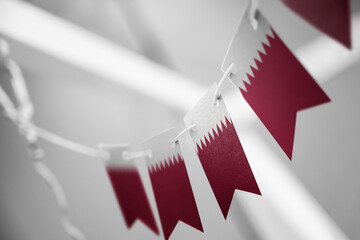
<point>220,152</point>
<point>330,16</point>
<point>129,190</point>
<point>272,80</point>
<point>171,185</point>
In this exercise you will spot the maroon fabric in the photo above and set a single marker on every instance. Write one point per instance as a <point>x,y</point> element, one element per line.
<point>330,16</point>
<point>174,196</point>
<point>279,89</point>
<point>226,165</point>
<point>131,196</point>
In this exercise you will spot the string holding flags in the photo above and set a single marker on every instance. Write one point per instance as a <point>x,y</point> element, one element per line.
<point>270,78</point>
<point>21,116</point>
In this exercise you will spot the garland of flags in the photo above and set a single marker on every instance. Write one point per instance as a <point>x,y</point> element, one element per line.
<point>269,77</point>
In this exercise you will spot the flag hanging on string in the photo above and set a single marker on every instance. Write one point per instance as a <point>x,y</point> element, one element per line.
<point>129,190</point>
<point>170,182</point>
<point>271,79</point>
<point>333,17</point>
<point>219,150</point>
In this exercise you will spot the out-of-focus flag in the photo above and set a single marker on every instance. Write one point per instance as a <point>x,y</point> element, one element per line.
<point>129,190</point>
<point>333,17</point>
